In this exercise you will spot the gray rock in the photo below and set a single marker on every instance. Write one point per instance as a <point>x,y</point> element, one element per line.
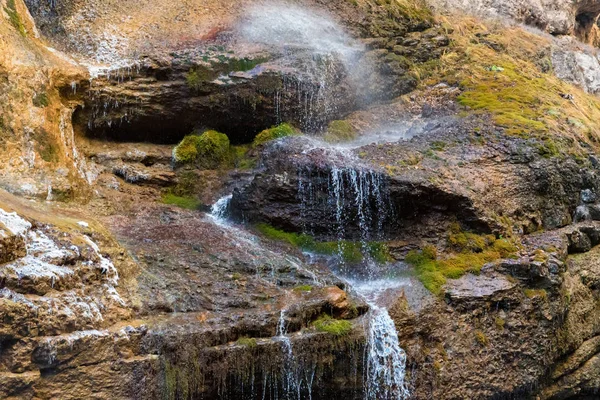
<point>477,287</point>
<point>588,196</point>
<point>582,213</point>
<point>594,211</point>
<point>577,67</point>
<point>579,242</point>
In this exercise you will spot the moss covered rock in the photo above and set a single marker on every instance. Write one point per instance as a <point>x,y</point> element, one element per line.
<point>332,326</point>
<point>186,152</point>
<point>275,132</point>
<point>340,131</point>
<point>208,150</point>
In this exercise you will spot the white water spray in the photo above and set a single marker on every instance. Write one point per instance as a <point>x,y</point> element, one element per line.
<point>319,52</point>
<point>385,360</point>
<point>288,28</point>
<point>219,209</point>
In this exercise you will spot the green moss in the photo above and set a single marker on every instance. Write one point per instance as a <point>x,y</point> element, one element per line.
<point>379,252</point>
<point>516,102</point>
<point>430,252</point>
<point>14,17</point>
<point>213,148</point>
<point>295,239</point>
<point>340,131</point>
<point>183,202</point>
<point>242,158</point>
<point>351,252</point>
<point>473,252</point>
<point>186,151</point>
<point>500,323</point>
<point>41,100</point>
<point>208,150</point>
<point>548,149</point>
<point>333,326</point>
<point>481,338</point>
<point>415,10</point>
<point>303,288</point>
<point>466,241</point>
<point>247,342</point>
<point>275,132</point>
<point>505,247</point>
<point>244,64</point>
<point>198,76</point>
<point>533,293</point>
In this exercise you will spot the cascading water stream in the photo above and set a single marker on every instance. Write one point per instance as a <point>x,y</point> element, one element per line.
<point>291,384</point>
<point>315,46</point>
<point>359,196</point>
<point>219,210</point>
<point>356,196</point>
<point>386,360</point>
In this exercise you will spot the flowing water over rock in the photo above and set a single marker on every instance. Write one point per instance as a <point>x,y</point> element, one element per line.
<point>357,196</point>
<point>322,56</point>
<point>219,209</point>
<point>385,361</point>
<point>360,197</point>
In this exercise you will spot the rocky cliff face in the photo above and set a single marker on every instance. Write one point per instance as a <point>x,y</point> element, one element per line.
<point>557,17</point>
<point>451,154</point>
<point>39,154</point>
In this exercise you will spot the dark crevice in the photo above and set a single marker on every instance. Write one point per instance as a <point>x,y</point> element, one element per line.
<point>165,130</point>
<point>585,21</point>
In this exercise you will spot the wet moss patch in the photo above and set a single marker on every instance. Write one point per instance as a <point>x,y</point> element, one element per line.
<point>335,327</point>
<point>339,132</point>
<point>276,132</point>
<point>188,203</point>
<point>470,252</point>
<point>350,252</point>
<point>209,149</point>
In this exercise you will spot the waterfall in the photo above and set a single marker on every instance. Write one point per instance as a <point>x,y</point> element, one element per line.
<point>291,384</point>
<point>385,359</point>
<point>359,196</point>
<point>357,199</point>
<point>220,208</point>
<point>312,43</point>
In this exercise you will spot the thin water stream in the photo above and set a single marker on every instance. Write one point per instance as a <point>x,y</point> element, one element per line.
<point>385,360</point>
